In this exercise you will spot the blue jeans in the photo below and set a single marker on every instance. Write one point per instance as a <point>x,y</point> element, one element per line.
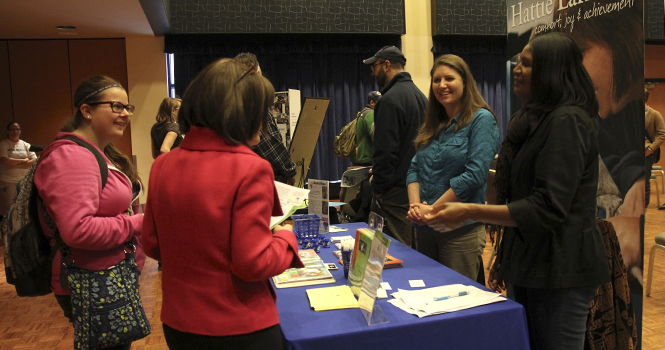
<point>556,317</point>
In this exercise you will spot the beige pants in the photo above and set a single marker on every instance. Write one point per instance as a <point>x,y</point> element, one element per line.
<point>460,249</point>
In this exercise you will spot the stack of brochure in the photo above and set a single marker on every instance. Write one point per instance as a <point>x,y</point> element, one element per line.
<point>314,272</point>
<point>438,300</point>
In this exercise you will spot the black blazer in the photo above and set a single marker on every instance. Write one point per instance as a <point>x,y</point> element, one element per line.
<point>554,180</point>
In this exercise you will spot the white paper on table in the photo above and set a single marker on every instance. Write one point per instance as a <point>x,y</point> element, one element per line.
<point>421,302</point>
<point>416,283</point>
<point>289,199</point>
<point>339,238</point>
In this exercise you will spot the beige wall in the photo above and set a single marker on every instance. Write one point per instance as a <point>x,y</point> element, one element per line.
<point>146,73</point>
<point>417,43</point>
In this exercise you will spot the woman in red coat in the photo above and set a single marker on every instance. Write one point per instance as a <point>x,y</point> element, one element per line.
<point>207,218</point>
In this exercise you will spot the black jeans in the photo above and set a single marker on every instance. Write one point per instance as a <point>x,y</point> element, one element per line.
<point>266,339</point>
<point>65,302</point>
<point>556,317</point>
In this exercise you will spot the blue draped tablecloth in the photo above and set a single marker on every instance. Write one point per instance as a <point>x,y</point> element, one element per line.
<point>500,325</point>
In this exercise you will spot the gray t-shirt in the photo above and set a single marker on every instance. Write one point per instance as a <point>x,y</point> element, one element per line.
<point>16,150</point>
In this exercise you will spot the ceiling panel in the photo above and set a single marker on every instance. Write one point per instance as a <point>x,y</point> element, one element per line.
<point>37,19</point>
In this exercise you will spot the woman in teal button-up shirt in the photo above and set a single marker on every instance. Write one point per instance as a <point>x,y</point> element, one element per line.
<point>455,147</point>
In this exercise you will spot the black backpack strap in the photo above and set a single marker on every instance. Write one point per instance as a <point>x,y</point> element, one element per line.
<point>103,167</point>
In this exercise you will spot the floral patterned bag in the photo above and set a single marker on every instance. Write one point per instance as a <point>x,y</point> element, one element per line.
<point>106,306</point>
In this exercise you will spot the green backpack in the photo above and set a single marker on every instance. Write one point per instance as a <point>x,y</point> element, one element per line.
<point>345,144</point>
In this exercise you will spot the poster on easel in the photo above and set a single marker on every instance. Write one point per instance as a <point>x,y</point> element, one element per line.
<point>306,135</point>
<point>610,35</point>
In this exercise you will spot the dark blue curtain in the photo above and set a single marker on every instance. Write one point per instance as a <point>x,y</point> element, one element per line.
<point>317,65</point>
<point>486,57</point>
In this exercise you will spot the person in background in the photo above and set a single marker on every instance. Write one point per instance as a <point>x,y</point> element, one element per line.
<point>397,118</point>
<point>15,160</point>
<point>361,157</point>
<point>92,221</point>
<point>655,135</point>
<point>365,131</point>
<point>165,134</point>
<point>271,147</point>
<point>213,236</point>
<point>552,251</point>
<point>455,147</point>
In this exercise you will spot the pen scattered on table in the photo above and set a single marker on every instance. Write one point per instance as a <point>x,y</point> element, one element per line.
<point>446,297</point>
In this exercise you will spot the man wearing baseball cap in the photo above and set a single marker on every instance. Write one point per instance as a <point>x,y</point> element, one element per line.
<point>397,118</point>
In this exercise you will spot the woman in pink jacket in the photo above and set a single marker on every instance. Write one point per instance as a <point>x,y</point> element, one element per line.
<point>208,214</point>
<point>93,221</point>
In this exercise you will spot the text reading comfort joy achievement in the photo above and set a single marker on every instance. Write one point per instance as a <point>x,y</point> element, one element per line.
<point>521,13</point>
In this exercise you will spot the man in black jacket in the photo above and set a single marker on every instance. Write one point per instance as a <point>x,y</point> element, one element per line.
<point>397,118</point>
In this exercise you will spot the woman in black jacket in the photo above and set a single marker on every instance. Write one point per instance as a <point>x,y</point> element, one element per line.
<point>552,251</point>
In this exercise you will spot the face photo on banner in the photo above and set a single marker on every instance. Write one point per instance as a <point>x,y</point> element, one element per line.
<point>611,38</point>
<point>610,35</point>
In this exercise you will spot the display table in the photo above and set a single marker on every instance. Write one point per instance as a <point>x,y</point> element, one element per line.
<point>500,325</point>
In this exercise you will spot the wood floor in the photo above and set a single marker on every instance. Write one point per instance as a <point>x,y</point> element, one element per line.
<point>37,323</point>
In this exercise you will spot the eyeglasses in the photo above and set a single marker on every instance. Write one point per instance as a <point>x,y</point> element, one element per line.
<point>116,106</point>
<point>176,108</point>
<point>515,60</point>
<point>251,68</point>
<point>372,66</point>
<point>18,129</point>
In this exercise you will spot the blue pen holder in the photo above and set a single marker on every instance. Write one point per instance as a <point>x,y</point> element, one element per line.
<point>306,225</point>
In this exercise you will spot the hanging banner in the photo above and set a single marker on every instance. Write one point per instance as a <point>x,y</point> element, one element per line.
<point>610,35</point>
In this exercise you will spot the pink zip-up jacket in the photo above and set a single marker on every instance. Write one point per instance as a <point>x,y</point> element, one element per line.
<point>91,221</point>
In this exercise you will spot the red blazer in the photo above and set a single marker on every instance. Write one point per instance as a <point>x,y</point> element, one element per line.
<point>207,219</point>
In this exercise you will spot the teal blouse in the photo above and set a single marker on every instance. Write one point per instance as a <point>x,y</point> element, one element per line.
<point>458,160</point>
